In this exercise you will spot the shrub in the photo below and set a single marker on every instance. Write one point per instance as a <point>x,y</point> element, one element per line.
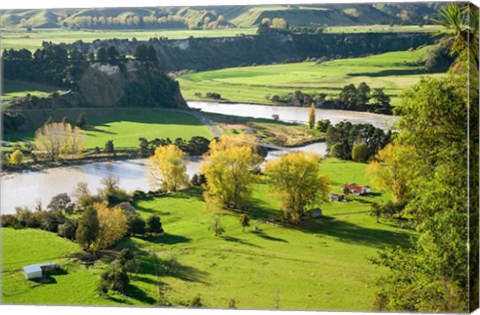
<point>67,229</point>
<point>213,95</point>
<point>154,225</point>
<point>196,302</point>
<point>9,220</point>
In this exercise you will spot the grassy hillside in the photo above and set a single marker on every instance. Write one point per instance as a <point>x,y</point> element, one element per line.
<point>14,89</point>
<point>321,265</point>
<point>241,16</point>
<point>392,70</point>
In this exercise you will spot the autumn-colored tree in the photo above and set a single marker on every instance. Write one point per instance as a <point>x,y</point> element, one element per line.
<point>168,162</point>
<point>56,139</point>
<point>16,158</point>
<point>360,152</point>
<point>229,171</point>
<point>311,116</point>
<point>112,225</point>
<point>389,171</point>
<point>295,180</point>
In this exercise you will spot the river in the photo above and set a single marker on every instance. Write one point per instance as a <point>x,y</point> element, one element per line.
<point>29,188</point>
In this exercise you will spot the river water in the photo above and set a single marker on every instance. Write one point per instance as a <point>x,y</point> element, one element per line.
<point>29,188</point>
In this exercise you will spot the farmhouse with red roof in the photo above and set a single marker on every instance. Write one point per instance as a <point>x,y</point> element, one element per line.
<point>356,189</point>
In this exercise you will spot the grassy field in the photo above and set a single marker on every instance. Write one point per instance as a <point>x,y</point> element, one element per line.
<point>33,40</point>
<point>319,265</point>
<point>125,127</point>
<point>382,28</point>
<point>392,71</point>
<point>14,89</point>
<point>276,132</point>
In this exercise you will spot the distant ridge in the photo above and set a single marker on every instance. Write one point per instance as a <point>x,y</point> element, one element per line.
<point>221,16</point>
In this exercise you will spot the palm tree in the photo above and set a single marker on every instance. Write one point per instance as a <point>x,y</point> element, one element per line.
<point>461,31</point>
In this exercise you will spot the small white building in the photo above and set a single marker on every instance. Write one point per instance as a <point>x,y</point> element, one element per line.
<point>35,271</point>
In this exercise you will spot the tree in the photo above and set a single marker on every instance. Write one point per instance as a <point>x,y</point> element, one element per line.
<point>141,52</point>
<point>434,274</point>
<point>296,182</point>
<point>109,147</point>
<point>229,171</point>
<point>152,54</point>
<point>112,54</point>
<point>16,158</point>
<point>461,32</point>
<point>154,225</point>
<point>363,94</point>
<point>311,116</point>
<point>67,229</point>
<point>102,55</point>
<point>323,124</point>
<point>216,226</point>
<point>114,278</point>
<point>244,221</point>
<point>388,172</point>
<point>360,153</point>
<point>380,97</point>
<point>112,225</point>
<point>61,202</point>
<point>136,225</point>
<point>82,120</point>
<point>168,162</point>
<point>279,23</point>
<point>56,139</point>
<point>348,96</point>
<point>87,230</point>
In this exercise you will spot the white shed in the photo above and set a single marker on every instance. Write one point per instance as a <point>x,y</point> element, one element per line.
<point>35,271</point>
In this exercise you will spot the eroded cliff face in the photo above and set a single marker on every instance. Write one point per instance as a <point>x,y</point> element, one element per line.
<point>128,83</point>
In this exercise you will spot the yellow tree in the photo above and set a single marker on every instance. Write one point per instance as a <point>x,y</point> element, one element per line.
<point>229,171</point>
<point>389,171</point>
<point>56,139</point>
<point>295,180</point>
<point>311,116</point>
<point>168,162</point>
<point>112,225</point>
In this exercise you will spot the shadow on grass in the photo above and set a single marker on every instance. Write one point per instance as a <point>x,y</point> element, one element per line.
<point>136,293</point>
<point>170,239</point>
<point>389,72</point>
<point>355,234</point>
<point>268,237</point>
<point>239,241</point>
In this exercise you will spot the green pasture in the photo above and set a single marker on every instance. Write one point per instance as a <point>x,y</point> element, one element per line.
<point>14,89</point>
<point>18,39</point>
<point>382,28</point>
<point>393,71</point>
<point>318,265</point>
<point>126,126</point>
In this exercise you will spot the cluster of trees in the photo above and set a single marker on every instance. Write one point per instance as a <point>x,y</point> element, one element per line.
<point>432,169</point>
<point>104,219</point>
<point>196,146</point>
<point>352,97</point>
<point>58,139</point>
<point>13,121</point>
<point>357,142</point>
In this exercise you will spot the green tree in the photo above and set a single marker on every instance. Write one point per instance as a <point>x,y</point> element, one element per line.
<point>295,180</point>
<point>380,97</point>
<point>87,230</point>
<point>244,221</point>
<point>323,124</point>
<point>360,152</point>
<point>112,54</point>
<point>82,120</point>
<point>434,275</point>
<point>102,55</point>
<point>109,147</point>
<point>114,278</point>
<point>363,94</point>
<point>154,225</point>
<point>141,52</point>
<point>311,116</point>
<point>216,226</point>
